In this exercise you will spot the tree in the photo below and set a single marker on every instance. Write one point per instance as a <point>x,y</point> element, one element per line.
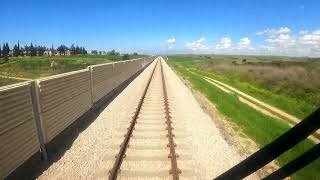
<point>5,51</point>
<point>8,49</point>
<point>33,51</point>
<point>73,50</point>
<point>135,54</point>
<point>5,56</point>
<point>244,61</point>
<point>112,52</point>
<point>62,49</point>
<point>27,49</point>
<point>19,51</point>
<point>95,52</point>
<point>84,51</point>
<point>40,50</point>
<point>16,50</point>
<point>125,57</point>
<point>77,50</point>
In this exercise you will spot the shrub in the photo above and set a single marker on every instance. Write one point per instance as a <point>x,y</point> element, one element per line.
<point>125,57</point>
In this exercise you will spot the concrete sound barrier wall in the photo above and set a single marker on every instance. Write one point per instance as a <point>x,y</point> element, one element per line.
<point>63,99</point>
<point>32,113</point>
<point>18,132</point>
<point>106,77</point>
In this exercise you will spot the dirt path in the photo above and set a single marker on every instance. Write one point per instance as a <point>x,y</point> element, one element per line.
<point>266,106</point>
<point>258,105</point>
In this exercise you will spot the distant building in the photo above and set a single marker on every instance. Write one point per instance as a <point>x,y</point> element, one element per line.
<point>24,53</point>
<point>55,53</point>
<point>10,53</point>
<point>47,53</point>
<point>67,53</point>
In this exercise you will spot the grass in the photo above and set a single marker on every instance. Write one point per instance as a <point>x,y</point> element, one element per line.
<point>37,67</point>
<point>257,126</point>
<point>7,81</point>
<point>292,86</point>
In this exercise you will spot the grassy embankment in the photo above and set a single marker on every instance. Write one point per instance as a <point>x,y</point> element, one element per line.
<point>257,126</point>
<point>37,67</point>
<point>290,85</point>
<point>7,81</point>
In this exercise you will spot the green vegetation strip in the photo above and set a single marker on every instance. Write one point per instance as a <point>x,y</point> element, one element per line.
<point>7,81</point>
<point>299,108</point>
<point>257,126</point>
<point>42,66</point>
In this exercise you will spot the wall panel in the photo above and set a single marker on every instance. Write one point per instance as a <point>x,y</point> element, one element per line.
<point>18,134</point>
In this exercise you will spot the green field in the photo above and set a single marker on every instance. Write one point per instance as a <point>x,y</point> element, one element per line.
<point>36,67</point>
<point>257,126</point>
<point>290,84</point>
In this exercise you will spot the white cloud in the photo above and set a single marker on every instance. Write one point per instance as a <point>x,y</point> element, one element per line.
<point>224,43</point>
<point>304,43</point>
<point>244,43</point>
<point>281,30</point>
<point>171,42</point>
<point>197,45</point>
<point>283,40</point>
<point>312,38</point>
<point>303,32</point>
<point>279,41</point>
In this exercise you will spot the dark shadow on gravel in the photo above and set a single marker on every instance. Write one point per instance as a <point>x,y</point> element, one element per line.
<point>56,148</point>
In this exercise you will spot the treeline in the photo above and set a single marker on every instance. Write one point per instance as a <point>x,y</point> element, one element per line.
<point>73,50</point>
<point>112,52</point>
<point>4,52</point>
<point>34,50</point>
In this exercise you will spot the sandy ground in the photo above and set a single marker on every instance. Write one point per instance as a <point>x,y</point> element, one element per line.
<point>203,152</point>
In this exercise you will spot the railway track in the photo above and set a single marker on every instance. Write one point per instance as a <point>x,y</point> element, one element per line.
<point>148,149</point>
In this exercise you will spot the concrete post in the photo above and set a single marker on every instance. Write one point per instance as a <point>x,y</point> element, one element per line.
<point>91,83</point>
<point>36,111</point>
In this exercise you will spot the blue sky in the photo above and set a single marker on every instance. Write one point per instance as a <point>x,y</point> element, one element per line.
<point>282,27</point>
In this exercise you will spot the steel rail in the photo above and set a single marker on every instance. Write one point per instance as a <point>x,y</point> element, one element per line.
<point>173,156</point>
<point>123,147</point>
